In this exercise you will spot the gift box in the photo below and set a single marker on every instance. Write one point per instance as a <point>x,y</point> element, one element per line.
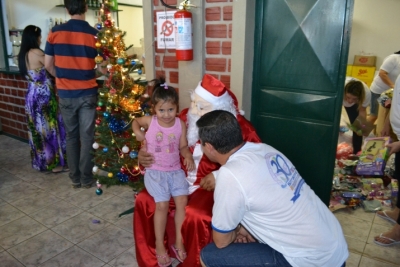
<point>373,157</point>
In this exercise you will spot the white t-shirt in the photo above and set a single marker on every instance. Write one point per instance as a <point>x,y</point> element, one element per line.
<point>391,65</point>
<point>261,189</point>
<point>367,100</point>
<point>395,109</point>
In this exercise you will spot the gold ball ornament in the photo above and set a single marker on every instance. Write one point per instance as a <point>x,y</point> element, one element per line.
<point>104,41</point>
<point>110,175</point>
<point>98,59</point>
<point>98,44</point>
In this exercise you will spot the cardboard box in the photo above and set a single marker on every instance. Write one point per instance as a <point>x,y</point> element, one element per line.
<point>360,60</point>
<point>349,69</point>
<point>363,73</point>
<point>374,155</point>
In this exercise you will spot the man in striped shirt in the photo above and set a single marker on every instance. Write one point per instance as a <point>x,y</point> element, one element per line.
<point>69,56</point>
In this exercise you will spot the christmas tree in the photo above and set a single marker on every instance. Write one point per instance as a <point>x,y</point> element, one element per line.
<point>121,100</point>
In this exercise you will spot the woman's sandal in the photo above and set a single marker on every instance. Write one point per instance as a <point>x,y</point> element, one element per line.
<point>177,251</point>
<point>165,258</point>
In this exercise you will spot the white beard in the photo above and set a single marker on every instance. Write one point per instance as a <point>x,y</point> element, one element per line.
<point>192,131</point>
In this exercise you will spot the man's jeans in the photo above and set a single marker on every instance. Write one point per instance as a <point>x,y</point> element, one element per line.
<point>242,255</point>
<point>79,119</point>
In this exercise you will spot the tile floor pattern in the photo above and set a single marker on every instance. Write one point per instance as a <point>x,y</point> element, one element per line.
<point>46,223</point>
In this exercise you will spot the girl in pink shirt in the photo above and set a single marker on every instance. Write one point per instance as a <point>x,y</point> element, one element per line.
<point>166,139</point>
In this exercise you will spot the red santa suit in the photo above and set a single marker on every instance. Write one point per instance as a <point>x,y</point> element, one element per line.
<point>196,229</point>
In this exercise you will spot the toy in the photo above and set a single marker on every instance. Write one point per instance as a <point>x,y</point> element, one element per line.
<point>374,155</point>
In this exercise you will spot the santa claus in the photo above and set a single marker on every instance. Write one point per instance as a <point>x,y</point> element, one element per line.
<point>210,94</point>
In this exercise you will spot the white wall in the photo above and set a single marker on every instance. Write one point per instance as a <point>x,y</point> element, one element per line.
<point>38,12</point>
<point>375,29</point>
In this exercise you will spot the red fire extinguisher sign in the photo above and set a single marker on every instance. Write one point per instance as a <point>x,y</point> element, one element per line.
<point>183,35</point>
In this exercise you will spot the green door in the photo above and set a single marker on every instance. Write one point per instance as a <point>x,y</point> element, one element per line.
<point>301,50</point>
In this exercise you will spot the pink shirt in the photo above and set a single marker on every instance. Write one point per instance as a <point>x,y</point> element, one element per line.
<point>163,143</point>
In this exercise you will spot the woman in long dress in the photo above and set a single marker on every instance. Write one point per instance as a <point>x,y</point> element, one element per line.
<point>46,132</point>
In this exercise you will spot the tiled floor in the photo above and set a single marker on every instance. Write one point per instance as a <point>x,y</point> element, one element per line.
<point>46,223</point>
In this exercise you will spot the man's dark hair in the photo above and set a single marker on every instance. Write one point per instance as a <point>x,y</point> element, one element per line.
<point>75,7</point>
<point>221,129</point>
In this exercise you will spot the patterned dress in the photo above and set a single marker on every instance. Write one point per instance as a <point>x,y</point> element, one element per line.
<point>47,137</point>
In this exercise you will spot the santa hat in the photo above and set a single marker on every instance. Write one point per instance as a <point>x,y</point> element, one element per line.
<point>215,92</point>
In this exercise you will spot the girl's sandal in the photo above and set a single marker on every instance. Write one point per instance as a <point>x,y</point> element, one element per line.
<point>165,259</point>
<point>177,251</point>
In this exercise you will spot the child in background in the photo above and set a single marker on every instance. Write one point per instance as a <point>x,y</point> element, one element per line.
<point>165,139</point>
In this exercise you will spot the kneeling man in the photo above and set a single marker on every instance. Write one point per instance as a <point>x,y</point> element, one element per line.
<point>264,213</point>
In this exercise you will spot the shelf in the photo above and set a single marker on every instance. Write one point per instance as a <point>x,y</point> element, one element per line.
<point>93,8</point>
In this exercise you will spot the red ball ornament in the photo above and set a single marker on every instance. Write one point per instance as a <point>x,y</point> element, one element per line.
<point>123,169</point>
<point>98,121</point>
<point>98,108</point>
<point>107,23</point>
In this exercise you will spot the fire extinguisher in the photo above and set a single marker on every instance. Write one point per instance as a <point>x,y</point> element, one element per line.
<point>183,35</point>
<point>183,30</point>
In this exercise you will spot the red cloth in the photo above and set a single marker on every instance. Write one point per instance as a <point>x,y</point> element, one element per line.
<point>196,228</point>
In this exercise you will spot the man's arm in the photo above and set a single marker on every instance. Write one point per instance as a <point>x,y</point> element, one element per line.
<point>222,240</point>
<point>385,78</point>
<point>49,64</point>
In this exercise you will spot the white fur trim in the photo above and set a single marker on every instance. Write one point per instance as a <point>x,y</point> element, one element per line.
<point>214,100</point>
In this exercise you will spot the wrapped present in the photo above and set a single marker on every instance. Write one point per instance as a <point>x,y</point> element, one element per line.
<point>373,157</point>
<point>372,184</point>
<point>361,126</point>
<point>385,99</point>
<point>343,150</point>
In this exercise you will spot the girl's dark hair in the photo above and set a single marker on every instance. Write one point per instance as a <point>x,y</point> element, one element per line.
<point>163,92</point>
<point>75,7</point>
<point>397,53</point>
<point>356,88</point>
<point>29,40</point>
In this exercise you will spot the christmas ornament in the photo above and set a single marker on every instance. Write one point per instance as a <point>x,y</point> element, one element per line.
<point>110,175</point>
<point>123,178</point>
<point>133,154</point>
<point>95,145</point>
<point>107,23</point>
<point>125,149</point>
<point>109,66</point>
<point>139,71</point>
<point>98,44</point>
<point>105,149</point>
<point>98,59</point>
<point>99,26</point>
<point>95,169</point>
<point>100,103</point>
<point>99,191</point>
<point>98,108</point>
<point>120,61</point>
